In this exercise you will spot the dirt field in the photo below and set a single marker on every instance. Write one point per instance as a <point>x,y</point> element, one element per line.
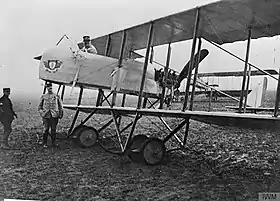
<point>221,164</point>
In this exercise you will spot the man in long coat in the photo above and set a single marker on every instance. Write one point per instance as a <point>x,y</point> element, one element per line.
<point>7,115</point>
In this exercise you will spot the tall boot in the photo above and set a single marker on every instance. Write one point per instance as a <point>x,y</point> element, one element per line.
<point>53,134</point>
<point>2,138</point>
<point>45,138</point>
<point>6,138</point>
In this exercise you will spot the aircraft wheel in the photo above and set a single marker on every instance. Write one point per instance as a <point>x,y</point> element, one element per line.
<point>76,132</point>
<point>134,148</point>
<point>153,151</point>
<point>87,137</point>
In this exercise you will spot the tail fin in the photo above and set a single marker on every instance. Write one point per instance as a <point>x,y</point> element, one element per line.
<point>257,95</point>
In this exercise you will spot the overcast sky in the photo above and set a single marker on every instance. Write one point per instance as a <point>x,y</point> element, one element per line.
<point>31,26</point>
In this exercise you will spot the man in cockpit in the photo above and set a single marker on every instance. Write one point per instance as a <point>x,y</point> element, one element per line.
<point>88,47</point>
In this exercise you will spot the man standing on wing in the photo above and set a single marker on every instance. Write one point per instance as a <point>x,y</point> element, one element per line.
<point>50,109</point>
<point>7,115</point>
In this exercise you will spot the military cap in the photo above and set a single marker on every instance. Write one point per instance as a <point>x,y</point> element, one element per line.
<point>6,89</point>
<point>48,84</point>
<point>86,38</point>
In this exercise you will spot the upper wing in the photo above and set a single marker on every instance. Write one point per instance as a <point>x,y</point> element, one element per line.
<point>224,21</point>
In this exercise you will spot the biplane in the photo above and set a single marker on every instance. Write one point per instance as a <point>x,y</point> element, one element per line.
<point>114,71</point>
<point>232,75</point>
<point>257,90</point>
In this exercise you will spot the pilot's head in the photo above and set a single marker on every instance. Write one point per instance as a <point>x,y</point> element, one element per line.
<point>86,39</point>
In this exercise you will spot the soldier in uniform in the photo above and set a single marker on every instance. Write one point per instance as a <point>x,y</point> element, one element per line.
<point>7,115</point>
<point>50,109</point>
<point>88,47</point>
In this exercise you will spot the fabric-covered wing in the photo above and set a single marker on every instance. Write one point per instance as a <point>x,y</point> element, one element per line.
<point>224,21</point>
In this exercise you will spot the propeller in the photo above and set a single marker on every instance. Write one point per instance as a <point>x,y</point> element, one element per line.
<point>184,73</point>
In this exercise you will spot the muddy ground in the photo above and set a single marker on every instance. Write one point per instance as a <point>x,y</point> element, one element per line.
<point>221,163</point>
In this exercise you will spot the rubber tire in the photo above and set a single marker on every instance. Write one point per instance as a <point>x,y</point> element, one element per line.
<point>76,131</point>
<point>84,133</point>
<point>153,151</point>
<point>134,148</point>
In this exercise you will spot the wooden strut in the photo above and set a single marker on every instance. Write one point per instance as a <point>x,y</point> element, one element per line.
<point>99,98</point>
<point>105,126</point>
<point>111,120</point>
<point>196,26</point>
<point>106,53</point>
<point>62,92</point>
<point>145,102</point>
<point>122,130</point>
<point>195,74</point>
<point>174,131</point>
<point>168,127</point>
<point>45,88</point>
<point>59,86</point>
<point>245,70</point>
<point>136,118</point>
<point>94,110</point>
<point>247,89</point>
<point>122,105</point>
<point>106,97</point>
<point>166,67</point>
<point>122,48</point>
<point>186,132</point>
<point>77,111</point>
<point>210,100</point>
<point>117,130</point>
<point>149,42</point>
<point>108,45</point>
<point>152,104</point>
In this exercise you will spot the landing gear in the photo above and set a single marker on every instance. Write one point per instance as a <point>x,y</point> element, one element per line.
<point>85,136</point>
<point>153,151</point>
<point>134,148</point>
<point>146,150</point>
